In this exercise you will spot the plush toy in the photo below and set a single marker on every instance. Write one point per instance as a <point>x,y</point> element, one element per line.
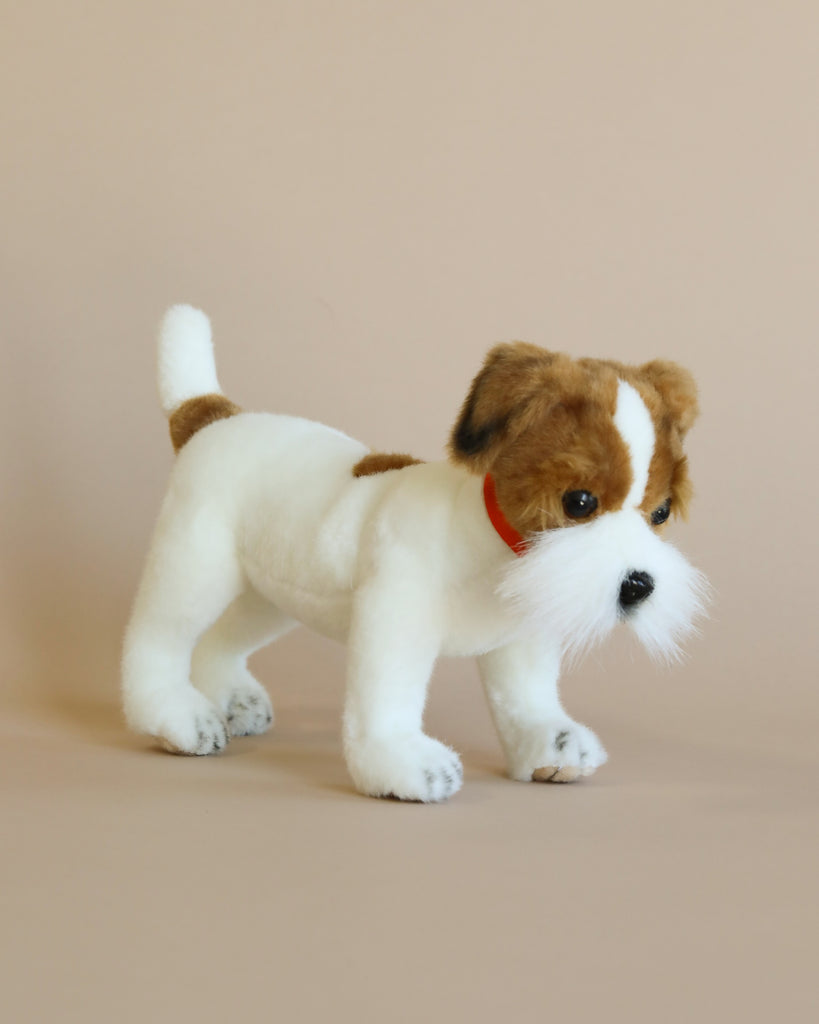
<point>539,534</point>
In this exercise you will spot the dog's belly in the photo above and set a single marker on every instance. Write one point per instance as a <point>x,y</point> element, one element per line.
<point>475,620</point>
<point>328,614</point>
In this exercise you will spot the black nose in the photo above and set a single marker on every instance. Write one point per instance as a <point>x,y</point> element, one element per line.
<point>636,587</point>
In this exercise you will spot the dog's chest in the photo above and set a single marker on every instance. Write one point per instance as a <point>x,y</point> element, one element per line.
<point>476,620</point>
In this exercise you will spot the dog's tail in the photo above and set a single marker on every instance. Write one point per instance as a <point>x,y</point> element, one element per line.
<point>188,387</point>
<point>186,365</point>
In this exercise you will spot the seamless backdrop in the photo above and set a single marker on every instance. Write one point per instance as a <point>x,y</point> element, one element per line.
<point>365,196</point>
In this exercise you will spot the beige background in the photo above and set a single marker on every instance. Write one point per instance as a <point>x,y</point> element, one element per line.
<point>365,196</point>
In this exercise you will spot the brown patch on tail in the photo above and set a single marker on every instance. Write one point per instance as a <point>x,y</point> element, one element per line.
<point>380,462</point>
<point>196,413</point>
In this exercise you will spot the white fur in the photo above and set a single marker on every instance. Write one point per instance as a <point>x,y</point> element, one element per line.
<point>264,526</point>
<point>520,680</point>
<point>569,582</point>
<point>633,421</point>
<point>185,357</point>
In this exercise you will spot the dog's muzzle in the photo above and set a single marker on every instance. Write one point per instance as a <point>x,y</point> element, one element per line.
<point>634,589</point>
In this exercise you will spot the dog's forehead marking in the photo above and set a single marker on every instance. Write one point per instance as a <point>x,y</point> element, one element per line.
<point>634,424</point>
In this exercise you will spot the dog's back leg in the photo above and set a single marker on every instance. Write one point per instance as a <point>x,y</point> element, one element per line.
<point>220,669</point>
<point>191,576</point>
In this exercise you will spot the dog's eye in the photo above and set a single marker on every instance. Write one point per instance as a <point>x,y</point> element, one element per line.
<point>661,513</point>
<point>579,504</point>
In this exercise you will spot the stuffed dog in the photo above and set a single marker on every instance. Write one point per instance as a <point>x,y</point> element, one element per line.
<point>539,534</point>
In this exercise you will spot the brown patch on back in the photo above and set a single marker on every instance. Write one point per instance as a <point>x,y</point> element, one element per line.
<point>197,413</point>
<point>542,424</point>
<point>381,462</point>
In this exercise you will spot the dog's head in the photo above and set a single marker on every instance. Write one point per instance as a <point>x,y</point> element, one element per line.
<point>587,461</point>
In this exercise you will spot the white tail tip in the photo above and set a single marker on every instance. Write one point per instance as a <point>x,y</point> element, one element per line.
<point>186,364</point>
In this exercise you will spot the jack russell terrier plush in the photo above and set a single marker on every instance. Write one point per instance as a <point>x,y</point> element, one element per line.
<point>539,534</point>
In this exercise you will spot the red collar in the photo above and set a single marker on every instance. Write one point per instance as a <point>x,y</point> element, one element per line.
<point>503,527</point>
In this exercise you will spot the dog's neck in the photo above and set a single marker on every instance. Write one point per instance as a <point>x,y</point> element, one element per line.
<point>504,529</point>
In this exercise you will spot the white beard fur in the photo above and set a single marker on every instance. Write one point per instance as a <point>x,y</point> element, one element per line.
<point>264,527</point>
<point>568,583</point>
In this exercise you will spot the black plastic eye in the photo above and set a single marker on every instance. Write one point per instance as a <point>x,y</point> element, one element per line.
<point>579,504</point>
<point>660,514</point>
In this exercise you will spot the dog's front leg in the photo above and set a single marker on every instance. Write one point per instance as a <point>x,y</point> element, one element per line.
<point>541,742</point>
<point>394,641</point>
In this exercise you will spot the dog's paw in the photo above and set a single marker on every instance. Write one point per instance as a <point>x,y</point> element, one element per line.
<point>558,751</point>
<point>248,711</point>
<point>184,722</point>
<point>408,767</point>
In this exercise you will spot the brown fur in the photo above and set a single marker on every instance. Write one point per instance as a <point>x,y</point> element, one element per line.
<point>670,395</point>
<point>380,462</point>
<point>196,413</point>
<point>542,424</point>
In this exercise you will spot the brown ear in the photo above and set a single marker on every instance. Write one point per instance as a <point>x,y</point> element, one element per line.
<point>510,376</point>
<point>677,388</point>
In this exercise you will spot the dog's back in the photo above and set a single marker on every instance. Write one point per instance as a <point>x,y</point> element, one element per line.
<point>283,486</point>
